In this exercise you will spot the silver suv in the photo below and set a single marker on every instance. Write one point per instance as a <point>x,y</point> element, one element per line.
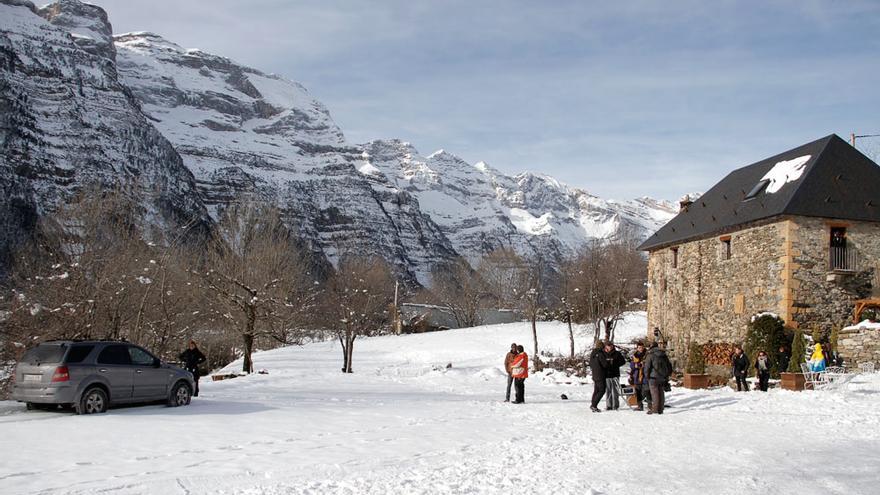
<point>91,375</point>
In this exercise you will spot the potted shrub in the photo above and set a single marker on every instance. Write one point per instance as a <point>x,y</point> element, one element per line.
<point>793,378</point>
<point>695,372</point>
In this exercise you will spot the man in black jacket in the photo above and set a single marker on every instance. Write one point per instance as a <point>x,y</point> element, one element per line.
<point>191,359</point>
<point>613,361</point>
<point>597,368</point>
<point>658,368</point>
<point>740,369</point>
<point>783,359</point>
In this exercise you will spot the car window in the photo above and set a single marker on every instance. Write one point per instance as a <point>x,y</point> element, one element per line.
<point>140,357</point>
<point>78,353</point>
<point>45,353</point>
<point>114,354</point>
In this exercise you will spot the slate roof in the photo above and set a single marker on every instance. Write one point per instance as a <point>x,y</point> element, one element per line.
<point>837,182</point>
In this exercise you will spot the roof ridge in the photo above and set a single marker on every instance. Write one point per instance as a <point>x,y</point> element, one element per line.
<point>816,160</point>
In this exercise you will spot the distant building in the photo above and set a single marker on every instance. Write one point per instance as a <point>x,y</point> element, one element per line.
<point>797,234</point>
<point>428,317</point>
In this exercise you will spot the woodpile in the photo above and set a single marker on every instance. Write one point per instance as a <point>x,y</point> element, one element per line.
<point>718,353</point>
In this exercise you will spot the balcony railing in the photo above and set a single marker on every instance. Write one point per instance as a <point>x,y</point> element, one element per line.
<point>843,259</point>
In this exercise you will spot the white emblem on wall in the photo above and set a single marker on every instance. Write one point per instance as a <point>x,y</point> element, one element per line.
<point>784,172</point>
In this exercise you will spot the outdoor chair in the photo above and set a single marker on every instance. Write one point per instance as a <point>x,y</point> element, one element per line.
<point>813,379</point>
<point>866,367</point>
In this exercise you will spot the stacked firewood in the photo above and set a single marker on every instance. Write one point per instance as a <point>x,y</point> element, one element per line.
<point>718,353</point>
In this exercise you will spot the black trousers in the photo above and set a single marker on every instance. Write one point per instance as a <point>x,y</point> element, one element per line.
<point>195,374</point>
<point>519,384</point>
<point>643,393</point>
<point>509,383</point>
<point>741,382</point>
<point>598,392</point>
<point>763,380</point>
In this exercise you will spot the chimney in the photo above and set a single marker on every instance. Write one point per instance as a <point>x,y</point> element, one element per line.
<point>684,202</point>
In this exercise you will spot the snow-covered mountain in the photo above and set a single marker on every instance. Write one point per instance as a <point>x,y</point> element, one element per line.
<point>81,106</point>
<point>66,121</point>
<point>479,208</point>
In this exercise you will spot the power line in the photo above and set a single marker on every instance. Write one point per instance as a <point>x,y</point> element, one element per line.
<point>854,136</point>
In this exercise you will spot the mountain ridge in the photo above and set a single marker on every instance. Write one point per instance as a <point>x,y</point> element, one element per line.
<point>236,132</point>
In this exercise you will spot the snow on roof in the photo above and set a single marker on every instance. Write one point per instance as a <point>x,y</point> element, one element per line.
<point>864,325</point>
<point>784,172</point>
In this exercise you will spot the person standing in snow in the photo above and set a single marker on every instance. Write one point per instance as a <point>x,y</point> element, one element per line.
<point>192,358</point>
<point>658,369</point>
<point>762,367</point>
<point>519,369</point>
<point>740,363</point>
<point>508,360</point>
<point>637,377</point>
<point>783,359</point>
<point>613,361</point>
<point>598,372</point>
<point>817,360</point>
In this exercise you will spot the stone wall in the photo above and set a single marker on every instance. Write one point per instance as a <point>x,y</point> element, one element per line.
<point>859,346</point>
<point>780,267</point>
<point>710,297</point>
<point>821,298</point>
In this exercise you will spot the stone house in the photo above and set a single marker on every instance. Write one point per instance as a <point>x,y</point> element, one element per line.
<point>796,234</point>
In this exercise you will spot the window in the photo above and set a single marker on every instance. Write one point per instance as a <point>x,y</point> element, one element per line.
<point>140,357</point>
<point>44,353</point>
<point>78,353</point>
<point>760,186</point>
<point>725,247</point>
<point>114,354</point>
<point>675,257</point>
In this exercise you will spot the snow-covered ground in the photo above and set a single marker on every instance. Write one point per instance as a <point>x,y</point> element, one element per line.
<point>405,423</point>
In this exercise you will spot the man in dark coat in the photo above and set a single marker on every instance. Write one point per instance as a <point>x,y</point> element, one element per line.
<point>613,361</point>
<point>508,360</point>
<point>597,369</point>
<point>192,358</point>
<point>783,359</point>
<point>658,368</point>
<point>740,369</point>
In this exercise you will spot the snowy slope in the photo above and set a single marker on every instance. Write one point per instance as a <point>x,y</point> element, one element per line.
<point>404,423</point>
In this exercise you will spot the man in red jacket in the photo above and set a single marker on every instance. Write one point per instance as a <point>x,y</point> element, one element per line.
<point>508,360</point>
<point>519,370</point>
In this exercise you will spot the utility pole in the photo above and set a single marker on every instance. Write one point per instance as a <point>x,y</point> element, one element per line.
<point>397,325</point>
<point>853,136</point>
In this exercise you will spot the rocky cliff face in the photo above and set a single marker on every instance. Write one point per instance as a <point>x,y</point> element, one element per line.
<point>201,131</point>
<point>243,132</point>
<point>479,209</point>
<point>66,122</point>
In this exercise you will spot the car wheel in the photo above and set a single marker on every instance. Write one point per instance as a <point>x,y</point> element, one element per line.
<point>93,401</point>
<point>180,395</point>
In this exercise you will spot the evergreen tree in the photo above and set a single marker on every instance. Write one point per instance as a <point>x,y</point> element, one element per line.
<point>696,363</point>
<point>766,333</point>
<point>798,351</point>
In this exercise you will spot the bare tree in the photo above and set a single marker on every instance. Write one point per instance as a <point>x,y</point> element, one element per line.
<point>502,272</point>
<point>564,295</point>
<point>253,269</point>
<point>358,297</point>
<point>530,296</point>
<point>514,281</point>
<point>608,280</point>
<point>457,287</point>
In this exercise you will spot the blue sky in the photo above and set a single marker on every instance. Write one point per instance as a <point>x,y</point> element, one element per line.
<point>624,99</point>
